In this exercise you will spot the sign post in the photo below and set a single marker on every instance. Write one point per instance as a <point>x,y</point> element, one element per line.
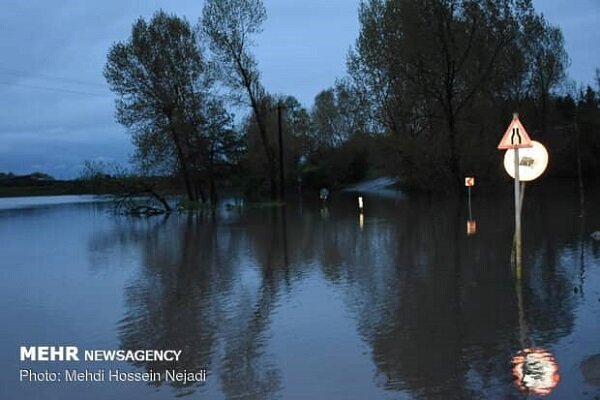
<point>516,137</point>
<point>517,215</point>
<point>469,183</point>
<point>471,224</point>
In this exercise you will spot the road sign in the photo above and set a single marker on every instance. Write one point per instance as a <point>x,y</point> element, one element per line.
<point>532,162</point>
<point>515,137</point>
<point>470,181</point>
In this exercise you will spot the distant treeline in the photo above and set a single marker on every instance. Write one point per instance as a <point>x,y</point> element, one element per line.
<point>430,89</point>
<point>36,183</point>
<point>91,181</point>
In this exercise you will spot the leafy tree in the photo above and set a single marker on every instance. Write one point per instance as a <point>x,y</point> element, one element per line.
<point>338,114</point>
<point>544,49</point>
<point>297,142</point>
<point>326,120</point>
<point>165,100</point>
<point>435,73</point>
<point>229,26</point>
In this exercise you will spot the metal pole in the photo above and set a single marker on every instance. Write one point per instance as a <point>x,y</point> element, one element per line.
<point>281,174</point>
<point>470,215</point>
<point>518,265</point>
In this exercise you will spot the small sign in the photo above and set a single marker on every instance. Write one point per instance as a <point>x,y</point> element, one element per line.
<point>515,137</point>
<point>470,181</point>
<point>471,227</point>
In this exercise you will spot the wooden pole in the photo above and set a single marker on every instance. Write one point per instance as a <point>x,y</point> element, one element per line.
<point>579,170</point>
<point>281,173</point>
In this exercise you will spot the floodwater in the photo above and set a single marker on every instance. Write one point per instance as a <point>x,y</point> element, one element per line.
<point>305,302</point>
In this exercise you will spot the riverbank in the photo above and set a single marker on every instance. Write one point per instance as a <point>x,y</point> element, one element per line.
<point>52,188</point>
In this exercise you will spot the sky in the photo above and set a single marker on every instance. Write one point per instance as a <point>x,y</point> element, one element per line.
<point>56,110</point>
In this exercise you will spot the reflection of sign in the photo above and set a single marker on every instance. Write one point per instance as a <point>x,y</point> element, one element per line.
<point>536,371</point>
<point>471,227</point>
<point>470,181</point>
<point>515,136</point>
<point>532,162</point>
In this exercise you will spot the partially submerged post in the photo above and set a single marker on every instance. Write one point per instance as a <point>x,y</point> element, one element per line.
<point>514,138</point>
<point>471,224</point>
<point>518,244</point>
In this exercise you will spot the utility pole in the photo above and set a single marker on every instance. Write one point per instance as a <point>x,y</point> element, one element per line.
<point>579,169</point>
<point>281,172</point>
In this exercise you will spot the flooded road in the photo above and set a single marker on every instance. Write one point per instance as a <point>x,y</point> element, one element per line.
<point>305,302</point>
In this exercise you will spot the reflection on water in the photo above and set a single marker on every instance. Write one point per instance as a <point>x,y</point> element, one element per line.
<point>536,371</point>
<point>308,302</point>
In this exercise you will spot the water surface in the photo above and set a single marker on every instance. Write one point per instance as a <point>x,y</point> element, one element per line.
<point>304,302</point>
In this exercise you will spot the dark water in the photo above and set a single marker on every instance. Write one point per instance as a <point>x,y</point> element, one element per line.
<point>305,303</point>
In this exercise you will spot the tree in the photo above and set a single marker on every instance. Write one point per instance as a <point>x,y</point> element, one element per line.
<point>544,47</point>
<point>339,113</point>
<point>220,153</point>
<point>165,99</point>
<point>229,26</point>
<point>296,126</point>
<point>435,72</point>
<point>326,119</point>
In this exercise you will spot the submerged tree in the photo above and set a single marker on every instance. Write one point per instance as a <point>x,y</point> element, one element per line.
<point>165,101</point>
<point>229,26</point>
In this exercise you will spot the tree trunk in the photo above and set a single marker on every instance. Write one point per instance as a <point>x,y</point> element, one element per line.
<point>182,160</point>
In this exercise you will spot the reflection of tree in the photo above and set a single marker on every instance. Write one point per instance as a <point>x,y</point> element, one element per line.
<point>170,306</point>
<point>438,309</point>
<point>188,296</point>
<point>247,371</point>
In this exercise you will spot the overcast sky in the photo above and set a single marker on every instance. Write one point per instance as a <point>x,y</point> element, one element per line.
<point>56,110</point>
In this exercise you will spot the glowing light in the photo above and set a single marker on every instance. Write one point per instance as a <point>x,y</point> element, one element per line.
<point>360,202</point>
<point>536,371</point>
<point>470,181</point>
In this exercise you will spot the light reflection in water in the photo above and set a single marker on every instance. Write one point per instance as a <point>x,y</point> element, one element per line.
<point>471,227</point>
<point>536,371</point>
